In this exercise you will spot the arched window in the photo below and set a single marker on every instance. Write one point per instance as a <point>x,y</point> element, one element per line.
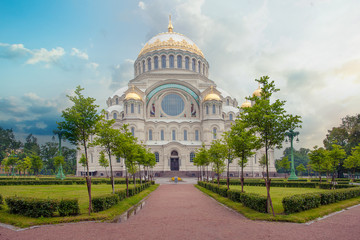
<point>163,61</point>
<point>214,110</point>
<point>107,116</point>
<point>150,135</point>
<point>122,115</point>
<point>214,133</point>
<point>192,155</point>
<point>173,135</point>
<point>207,109</point>
<point>110,103</point>
<point>139,107</point>
<point>231,117</point>
<point>156,62</point>
<point>126,108</point>
<point>187,60</point>
<point>132,108</point>
<point>157,157</point>
<point>115,116</point>
<point>149,64</point>
<point>171,61</point>
<point>199,67</point>
<point>227,102</point>
<point>162,137</point>
<point>196,135</point>
<point>133,131</point>
<point>179,61</point>
<point>117,101</point>
<point>193,64</point>
<point>185,135</point>
<point>139,68</point>
<point>118,159</point>
<point>143,66</point>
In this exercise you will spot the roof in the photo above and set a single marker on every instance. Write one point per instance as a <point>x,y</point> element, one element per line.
<point>228,109</point>
<point>118,108</point>
<point>120,92</point>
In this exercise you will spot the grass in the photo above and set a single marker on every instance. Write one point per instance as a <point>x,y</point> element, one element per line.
<point>68,191</point>
<point>277,193</point>
<point>300,217</point>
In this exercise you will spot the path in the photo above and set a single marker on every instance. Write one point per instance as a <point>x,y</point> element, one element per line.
<point>183,212</point>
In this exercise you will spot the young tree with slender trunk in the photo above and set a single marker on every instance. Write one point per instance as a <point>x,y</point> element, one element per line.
<point>336,155</point>
<point>318,160</point>
<point>301,169</point>
<point>201,159</point>
<point>285,164</point>
<point>352,162</point>
<point>270,121</point>
<point>104,162</point>
<point>218,153</point>
<point>228,142</point>
<point>79,124</point>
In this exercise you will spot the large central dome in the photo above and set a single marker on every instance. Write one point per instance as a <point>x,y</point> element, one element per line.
<point>171,40</point>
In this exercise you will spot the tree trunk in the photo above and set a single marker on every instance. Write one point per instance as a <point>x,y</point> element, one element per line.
<point>88,178</point>
<point>228,175</point>
<point>207,173</point>
<point>127,182</point>
<point>140,174</point>
<point>242,178</point>
<point>218,177</point>
<point>268,180</point>
<point>134,179</point>
<point>111,174</point>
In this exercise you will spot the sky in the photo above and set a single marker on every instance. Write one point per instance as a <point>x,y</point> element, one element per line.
<point>309,48</point>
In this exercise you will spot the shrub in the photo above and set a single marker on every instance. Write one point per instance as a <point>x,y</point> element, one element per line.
<point>31,207</point>
<point>69,207</point>
<point>1,199</point>
<point>104,202</point>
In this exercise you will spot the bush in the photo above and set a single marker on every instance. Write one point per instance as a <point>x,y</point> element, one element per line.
<point>104,202</point>
<point>297,180</point>
<point>69,207</point>
<point>31,207</point>
<point>1,199</point>
<point>336,186</point>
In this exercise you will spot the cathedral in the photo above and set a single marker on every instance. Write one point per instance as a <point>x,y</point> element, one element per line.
<point>173,108</point>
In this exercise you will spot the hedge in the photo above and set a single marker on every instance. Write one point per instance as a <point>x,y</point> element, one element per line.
<point>69,207</point>
<point>273,183</point>
<point>302,202</point>
<point>62,182</point>
<point>1,199</point>
<point>32,207</point>
<point>336,186</point>
<point>250,200</point>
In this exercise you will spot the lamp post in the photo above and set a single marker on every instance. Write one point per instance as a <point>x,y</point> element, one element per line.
<point>60,174</point>
<point>291,134</point>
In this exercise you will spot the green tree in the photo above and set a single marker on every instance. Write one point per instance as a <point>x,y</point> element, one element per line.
<point>262,164</point>
<point>59,160</point>
<point>218,153</point>
<point>231,154</point>
<point>318,160</point>
<point>300,157</point>
<point>352,162</point>
<point>301,168</point>
<point>201,160</point>
<point>79,124</point>
<point>270,121</point>
<point>284,164</point>
<point>335,156</point>
<point>31,145</point>
<point>47,152</point>
<point>82,161</point>
<point>243,141</point>
<point>36,164</point>
<point>103,162</point>
<point>11,162</point>
<point>8,143</point>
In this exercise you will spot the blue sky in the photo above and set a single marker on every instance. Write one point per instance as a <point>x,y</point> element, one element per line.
<point>310,48</point>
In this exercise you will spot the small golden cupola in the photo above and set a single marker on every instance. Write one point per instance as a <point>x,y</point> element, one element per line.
<point>132,95</point>
<point>246,104</point>
<point>257,92</point>
<point>212,96</point>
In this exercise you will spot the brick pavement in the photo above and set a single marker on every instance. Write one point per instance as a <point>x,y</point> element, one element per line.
<point>183,212</point>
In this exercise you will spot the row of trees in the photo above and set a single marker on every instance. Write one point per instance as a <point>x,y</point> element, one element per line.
<point>31,157</point>
<point>263,125</point>
<point>82,120</point>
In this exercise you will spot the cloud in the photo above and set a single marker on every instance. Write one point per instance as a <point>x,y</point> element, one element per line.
<point>13,51</point>
<point>121,73</point>
<point>76,52</point>
<point>43,55</point>
<point>142,5</point>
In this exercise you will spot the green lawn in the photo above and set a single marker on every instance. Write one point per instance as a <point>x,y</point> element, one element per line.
<point>277,193</point>
<point>59,192</point>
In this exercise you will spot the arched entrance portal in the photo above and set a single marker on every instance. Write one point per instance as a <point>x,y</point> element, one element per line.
<point>174,161</point>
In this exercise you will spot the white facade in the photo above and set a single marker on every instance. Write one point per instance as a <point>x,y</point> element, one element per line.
<point>172,107</point>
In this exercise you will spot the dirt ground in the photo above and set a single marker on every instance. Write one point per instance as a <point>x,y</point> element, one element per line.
<point>183,212</point>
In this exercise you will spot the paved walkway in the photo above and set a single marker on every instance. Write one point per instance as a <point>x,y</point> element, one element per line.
<point>183,212</point>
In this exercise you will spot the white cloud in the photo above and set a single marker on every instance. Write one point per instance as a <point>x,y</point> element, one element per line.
<point>43,55</point>
<point>76,52</point>
<point>142,5</point>
<point>93,65</point>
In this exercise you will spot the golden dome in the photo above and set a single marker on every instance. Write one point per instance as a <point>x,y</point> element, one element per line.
<point>212,96</point>
<point>246,104</point>
<point>170,40</point>
<point>257,92</point>
<point>132,95</point>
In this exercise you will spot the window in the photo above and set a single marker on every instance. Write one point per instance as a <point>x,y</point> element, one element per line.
<point>196,135</point>
<point>110,103</point>
<point>139,107</point>
<point>107,116</point>
<point>227,102</point>
<point>192,155</point>
<point>185,135</point>
<point>207,109</point>
<point>156,62</point>
<point>118,160</point>
<point>133,131</point>
<point>199,67</point>
<point>162,135</point>
<point>149,64</point>
<point>204,69</point>
<point>214,110</point>
<point>231,117</point>
<point>193,64</point>
<point>150,135</point>
<point>179,61</point>
<point>143,66</point>
<point>157,157</point>
<point>214,133</point>
<point>117,101</point>
<point>187,63</point>
<point>163,61</point>
<point>126,108</point>
<point>173,135</point>
<point>139,68</point>
<point>172,104</point>
<point>114,116</point>
<point>91,158</point>
<point>171,61</point>
<point>132,108</point>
